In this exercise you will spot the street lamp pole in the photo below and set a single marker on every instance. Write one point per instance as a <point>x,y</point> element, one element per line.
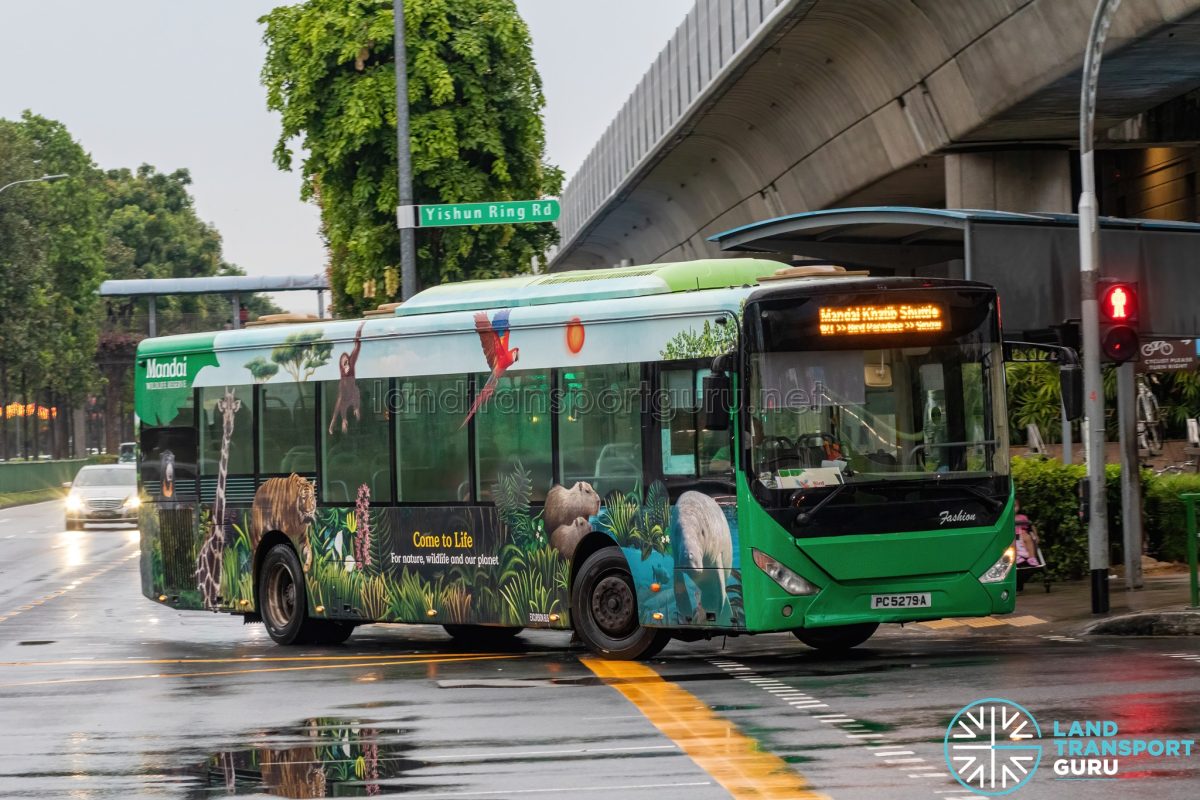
<point>43,179</point>
<point>405,219</point>
<point>1089,269</point>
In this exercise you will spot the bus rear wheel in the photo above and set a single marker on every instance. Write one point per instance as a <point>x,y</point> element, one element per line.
<point>836,638</point>
<point>282,599</point>
<point>605,613</point>
<point>482,635</point>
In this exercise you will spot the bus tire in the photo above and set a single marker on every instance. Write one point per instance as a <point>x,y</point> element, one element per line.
<point>605,613</point>
<point>836,638</point>
<point>483,635</point>
<point>282,598</point>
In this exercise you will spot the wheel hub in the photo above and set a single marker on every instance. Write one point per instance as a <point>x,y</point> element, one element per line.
<point>614,607</point>
<point>281,603</point>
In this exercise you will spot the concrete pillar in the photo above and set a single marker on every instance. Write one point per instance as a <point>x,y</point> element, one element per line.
<point>1010,180</point>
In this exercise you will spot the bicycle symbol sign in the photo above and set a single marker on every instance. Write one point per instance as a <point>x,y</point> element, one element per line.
<point>1159,355</point>
<point>1159,346</point>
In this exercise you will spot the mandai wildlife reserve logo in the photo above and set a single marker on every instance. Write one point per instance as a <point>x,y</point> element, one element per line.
<point>994,746</point>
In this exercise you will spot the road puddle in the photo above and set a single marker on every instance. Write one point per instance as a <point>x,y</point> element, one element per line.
<point>322,757</point>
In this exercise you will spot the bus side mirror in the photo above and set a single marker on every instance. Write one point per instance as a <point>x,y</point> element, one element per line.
<point>1070,378</point>
<point>715,403</point>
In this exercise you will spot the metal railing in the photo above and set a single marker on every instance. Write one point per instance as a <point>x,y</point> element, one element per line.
<point>1189,501</point>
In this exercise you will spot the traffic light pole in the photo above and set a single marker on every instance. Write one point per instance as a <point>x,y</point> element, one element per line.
<point>1089,268</point>
<point>1131,485</point>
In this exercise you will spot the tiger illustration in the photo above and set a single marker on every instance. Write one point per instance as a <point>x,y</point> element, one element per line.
<point>286,505</point>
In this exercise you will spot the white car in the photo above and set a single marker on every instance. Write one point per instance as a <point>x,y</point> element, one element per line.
<point>103,493</point>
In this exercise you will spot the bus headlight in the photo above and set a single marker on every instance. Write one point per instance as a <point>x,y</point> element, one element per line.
<point>74,503</point>
<point>999,571</point>
<point>133,502</point>
<point>788,580</point>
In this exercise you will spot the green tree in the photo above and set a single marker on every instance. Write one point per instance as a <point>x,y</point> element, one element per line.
<point>51,262</point>
<point>475,100</point>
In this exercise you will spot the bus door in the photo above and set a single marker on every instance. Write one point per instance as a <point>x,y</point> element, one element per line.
<point>696,468</point>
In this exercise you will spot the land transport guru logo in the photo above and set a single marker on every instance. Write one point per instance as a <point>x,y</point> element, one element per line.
<point>991,746</point>
<point>994,746</point>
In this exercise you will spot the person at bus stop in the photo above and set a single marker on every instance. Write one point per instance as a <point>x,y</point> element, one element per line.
<point>1026,539</point>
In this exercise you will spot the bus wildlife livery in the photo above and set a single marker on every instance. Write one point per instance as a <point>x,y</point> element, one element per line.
<point>641,453</point>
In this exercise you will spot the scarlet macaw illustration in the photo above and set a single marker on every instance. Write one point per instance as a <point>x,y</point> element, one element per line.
<point>493,336</point>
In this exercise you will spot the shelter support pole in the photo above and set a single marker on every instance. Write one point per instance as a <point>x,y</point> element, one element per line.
<point>1067,444</point>
<point>152,312</point>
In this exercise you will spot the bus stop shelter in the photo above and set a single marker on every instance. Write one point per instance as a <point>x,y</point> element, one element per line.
<point>1031,258</point>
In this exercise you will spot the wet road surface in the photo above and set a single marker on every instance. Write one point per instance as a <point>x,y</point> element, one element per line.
<point>105,694</point>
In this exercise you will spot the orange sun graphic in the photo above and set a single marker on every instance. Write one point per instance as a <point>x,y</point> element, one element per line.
<point>575,335</point>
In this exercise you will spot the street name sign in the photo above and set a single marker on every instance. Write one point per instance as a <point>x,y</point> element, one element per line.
<point>502,212</point>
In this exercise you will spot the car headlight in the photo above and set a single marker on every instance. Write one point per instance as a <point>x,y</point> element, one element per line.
<point>999,571</point>
<point>74,503</point>
<point>132,502</point>
<point>788,580</point>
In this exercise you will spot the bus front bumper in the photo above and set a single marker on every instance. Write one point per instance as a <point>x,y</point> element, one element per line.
<point>923,597</point>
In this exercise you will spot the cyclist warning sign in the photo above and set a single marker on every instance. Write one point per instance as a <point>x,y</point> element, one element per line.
<point>1163,355</point>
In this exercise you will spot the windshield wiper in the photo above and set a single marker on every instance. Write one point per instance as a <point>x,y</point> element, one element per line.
<point>806,517</point>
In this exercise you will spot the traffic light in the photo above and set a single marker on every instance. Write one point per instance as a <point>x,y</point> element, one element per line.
<point>1118,319</point>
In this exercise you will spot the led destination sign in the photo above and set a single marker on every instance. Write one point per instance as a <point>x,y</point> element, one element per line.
<point>890,318</point>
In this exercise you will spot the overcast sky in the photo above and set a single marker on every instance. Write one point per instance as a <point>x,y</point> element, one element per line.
<point>174,83</point>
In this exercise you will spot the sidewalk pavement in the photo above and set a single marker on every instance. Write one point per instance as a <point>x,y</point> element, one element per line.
<point>1160,608</point>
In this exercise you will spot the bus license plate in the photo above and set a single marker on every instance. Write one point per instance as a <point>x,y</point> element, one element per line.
<point>918,600</point>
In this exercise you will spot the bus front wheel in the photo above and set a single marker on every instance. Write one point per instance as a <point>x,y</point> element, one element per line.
<point>836,637</point>
<point>282,599</point>
<point>604,609</point>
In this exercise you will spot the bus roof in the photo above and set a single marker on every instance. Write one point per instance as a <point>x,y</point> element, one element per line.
<point>633,283</point>
<point>591,284</point>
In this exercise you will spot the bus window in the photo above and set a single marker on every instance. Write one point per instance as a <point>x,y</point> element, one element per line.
<point>355,448</point>
<point>511,428</point>
<point>600,427</point>
<point>287,418</point>
<point>432,455</point>
<point>212,427</point>
<point>687,450</point>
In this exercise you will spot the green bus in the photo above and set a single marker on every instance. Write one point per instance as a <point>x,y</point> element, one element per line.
<point>683,450</point>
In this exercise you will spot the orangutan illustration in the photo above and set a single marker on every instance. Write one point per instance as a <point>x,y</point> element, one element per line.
<point>348,398</point>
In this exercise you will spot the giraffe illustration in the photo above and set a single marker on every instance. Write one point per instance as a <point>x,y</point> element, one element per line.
<point>208,563</point>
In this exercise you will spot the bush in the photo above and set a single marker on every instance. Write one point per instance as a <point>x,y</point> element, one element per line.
<point>1166,523</point>
<point>1047,491</point>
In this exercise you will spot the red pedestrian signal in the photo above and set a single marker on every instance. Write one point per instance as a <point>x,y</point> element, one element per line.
<point>1118,320</point>
<point>1118,301</point>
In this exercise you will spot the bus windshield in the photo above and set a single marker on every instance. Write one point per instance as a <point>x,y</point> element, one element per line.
<point>853,390</point>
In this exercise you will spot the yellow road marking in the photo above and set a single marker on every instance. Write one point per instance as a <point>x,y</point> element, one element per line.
<point>717,746</point>
<point>983,622</point>
<point>1021,622</point>
<point>218,673</point>
<point>941,623</point>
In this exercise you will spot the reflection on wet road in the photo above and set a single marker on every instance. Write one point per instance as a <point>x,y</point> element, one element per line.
<point>105,694</point>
